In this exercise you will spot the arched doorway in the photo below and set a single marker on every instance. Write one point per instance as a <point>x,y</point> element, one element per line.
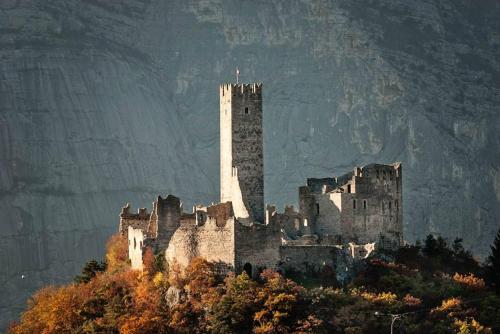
<point>248,269</point>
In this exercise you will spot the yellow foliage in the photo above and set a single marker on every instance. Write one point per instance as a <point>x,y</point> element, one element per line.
<point>470,281</point>
<point>117,253</point>
<point>380,298</point>
<point>450,304</point>
<point>472,327</point>
<point>159,280</point>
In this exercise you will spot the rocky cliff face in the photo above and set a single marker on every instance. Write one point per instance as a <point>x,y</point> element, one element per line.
<point>103,102</point>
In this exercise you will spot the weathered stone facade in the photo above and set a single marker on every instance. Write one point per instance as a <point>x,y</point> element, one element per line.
<point>241,150</point>
<point>340,219</point>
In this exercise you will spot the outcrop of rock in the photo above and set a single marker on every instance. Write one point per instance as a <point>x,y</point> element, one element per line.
<point>105,101</point>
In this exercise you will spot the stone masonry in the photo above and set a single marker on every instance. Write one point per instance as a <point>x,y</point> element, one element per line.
<point>340,219</point>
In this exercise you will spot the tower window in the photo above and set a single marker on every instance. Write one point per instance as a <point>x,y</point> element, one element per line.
<point>317,208</point>
<point>349,188</point>
<point>364,204</point>
<point>390,205</point>
<point>396,204</point>
<point>354,204</point>
<point>246,110</point>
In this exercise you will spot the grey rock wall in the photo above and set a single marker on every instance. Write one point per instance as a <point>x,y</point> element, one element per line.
<point>103,102</point>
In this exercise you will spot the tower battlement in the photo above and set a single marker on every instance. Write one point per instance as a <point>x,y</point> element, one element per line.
<point>241,149</point>
<point>227,90</point>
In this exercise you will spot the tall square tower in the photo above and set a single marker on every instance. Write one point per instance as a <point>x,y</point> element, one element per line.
<point>241,150</point>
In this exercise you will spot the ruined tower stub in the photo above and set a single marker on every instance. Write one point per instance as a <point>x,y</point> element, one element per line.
<point>241,149</point>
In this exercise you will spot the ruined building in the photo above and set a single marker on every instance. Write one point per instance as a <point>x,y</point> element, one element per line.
<point>340,219</point>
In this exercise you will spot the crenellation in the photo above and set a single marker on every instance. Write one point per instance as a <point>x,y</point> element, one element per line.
<point>340,219</point>
<point>135,220</point>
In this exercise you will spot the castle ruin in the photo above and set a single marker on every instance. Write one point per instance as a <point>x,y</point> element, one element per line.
<point>339,219</point>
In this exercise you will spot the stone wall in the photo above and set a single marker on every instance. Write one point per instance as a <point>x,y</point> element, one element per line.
<point>365,207</point>
<point>257,245</point>
<point>308,258</point>
<point>168,213</point>
<point>211,238</point>
<point>135,247</point>
<point>241,147</point>
<point>139,220</point>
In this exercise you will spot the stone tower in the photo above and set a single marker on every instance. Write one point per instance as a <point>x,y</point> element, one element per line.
<point>241,150</point>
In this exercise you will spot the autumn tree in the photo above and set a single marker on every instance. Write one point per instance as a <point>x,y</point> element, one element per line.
<point>117,253</point>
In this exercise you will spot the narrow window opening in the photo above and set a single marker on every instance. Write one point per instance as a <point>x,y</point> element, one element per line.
<point>390,205</point>
<point>364,204</point>
<point>354,204</point>
<point>396,204</point>
<point>349,188</point>
<point>246,110</point>
<point>317,208</point>
<point>383,207</point>
<point>378,175</point>
<point>248,269</point>
<point>384,175</point>
<point>135,243</point>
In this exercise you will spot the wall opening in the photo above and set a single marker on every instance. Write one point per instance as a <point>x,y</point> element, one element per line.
<point>378,174</point>
<point>349,188</point>
<point>354,204</point>
<point>396,204</point>
<point>364,204</point>
<point>317,208</point>
<point>389,205</point>
<point>246,110</point>
<point>248,269</point>
<point>135,243</point>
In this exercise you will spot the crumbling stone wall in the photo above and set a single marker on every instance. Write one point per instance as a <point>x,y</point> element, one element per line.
<point>308,259</point>
<point>139,220</point>
<point>257,245</point>
<point>366,206</point>
<point>168,215</point>
<point>211,238</point>
<point>135,247</point>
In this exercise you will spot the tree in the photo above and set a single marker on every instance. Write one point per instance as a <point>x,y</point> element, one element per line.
<point>117,253</point>
<point>90,271</point>
<point>494,263</point>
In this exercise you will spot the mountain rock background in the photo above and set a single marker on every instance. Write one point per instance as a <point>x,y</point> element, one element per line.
<point>108,101</point>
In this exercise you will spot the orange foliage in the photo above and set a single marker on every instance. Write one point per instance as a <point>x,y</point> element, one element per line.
<point>469,281</point>
<point>117,253</point>
<point>450,304</point>
<point>52,310</point>
<point>148,260</point>
<point>409,300</point>
<point>175,276</point>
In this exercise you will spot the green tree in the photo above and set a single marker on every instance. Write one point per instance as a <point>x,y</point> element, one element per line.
<point>89,271</point>
<point>494,263</point>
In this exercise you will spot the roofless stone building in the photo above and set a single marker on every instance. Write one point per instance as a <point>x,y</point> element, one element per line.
<point>340,219</point>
